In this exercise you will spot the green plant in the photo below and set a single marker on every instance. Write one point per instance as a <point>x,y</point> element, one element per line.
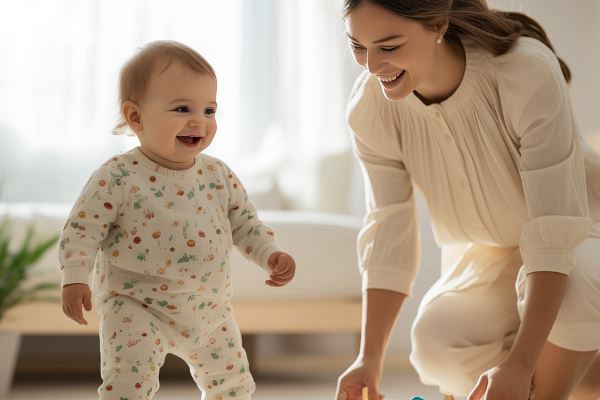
<point>14,266</point>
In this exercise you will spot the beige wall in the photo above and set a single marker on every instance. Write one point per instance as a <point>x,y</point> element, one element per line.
<point>574,29</point>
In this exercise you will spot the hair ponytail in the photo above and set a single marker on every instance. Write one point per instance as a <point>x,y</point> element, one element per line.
<point>496,30</point>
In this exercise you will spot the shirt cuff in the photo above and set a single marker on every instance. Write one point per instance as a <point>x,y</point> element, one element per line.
<point>547,243</point>
<point>75,275</point>
<point>263,254</point>
<point>389,280</point>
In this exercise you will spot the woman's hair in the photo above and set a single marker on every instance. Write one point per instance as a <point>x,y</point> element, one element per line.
<point>154,57</point>
<point>494,30</point>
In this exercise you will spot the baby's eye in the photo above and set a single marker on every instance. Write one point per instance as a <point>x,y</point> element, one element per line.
<point>182,109</point>
<point>209,111</point>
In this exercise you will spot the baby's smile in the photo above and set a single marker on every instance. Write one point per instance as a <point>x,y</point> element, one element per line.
<point>190,140</point>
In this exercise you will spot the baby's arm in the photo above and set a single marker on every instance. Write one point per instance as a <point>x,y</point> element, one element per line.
<point>87,226</point>
<point>254,239</point>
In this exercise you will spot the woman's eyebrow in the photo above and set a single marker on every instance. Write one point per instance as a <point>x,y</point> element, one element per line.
<point>385,39</point>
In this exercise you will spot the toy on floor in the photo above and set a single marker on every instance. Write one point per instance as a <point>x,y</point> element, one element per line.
<point>365,393</point>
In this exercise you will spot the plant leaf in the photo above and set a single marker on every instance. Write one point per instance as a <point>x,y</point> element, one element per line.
<point>14,267</point>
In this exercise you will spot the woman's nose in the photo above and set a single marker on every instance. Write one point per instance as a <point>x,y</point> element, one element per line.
<point>373,64</point>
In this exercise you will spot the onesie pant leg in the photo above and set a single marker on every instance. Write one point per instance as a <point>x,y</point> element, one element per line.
<point>133,345</point>
<point>219,364</point>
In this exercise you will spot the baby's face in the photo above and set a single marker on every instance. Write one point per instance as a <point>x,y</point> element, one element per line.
<point>178,116</point>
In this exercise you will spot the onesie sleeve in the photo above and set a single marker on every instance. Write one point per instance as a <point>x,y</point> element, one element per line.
<point>255,240</point>
<point>89,221</point>
<point>388,245</point>
<point>537,108</point>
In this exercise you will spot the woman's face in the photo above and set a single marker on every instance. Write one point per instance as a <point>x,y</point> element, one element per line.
<point>400,51</point>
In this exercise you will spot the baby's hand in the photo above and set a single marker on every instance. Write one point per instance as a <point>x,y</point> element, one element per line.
<point>73,296</point>
<point>283,268</point>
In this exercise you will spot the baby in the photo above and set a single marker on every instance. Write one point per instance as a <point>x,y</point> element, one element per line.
<point>158,223</point>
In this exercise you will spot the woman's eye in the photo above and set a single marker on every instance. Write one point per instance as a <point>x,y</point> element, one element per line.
<point>356,47</point>
<point>182,109</point>
<point>387,49</point>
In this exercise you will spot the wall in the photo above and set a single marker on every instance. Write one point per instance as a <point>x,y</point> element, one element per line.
<point>574,29</point>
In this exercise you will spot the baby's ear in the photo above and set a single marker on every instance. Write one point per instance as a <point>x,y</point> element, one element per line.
<point>133,117</point>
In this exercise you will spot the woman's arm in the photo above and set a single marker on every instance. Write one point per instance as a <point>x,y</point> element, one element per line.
<point>380,309</point>
<point>379,312</point>
<point>389,244</point>
<point>544,292</point>
<point>512,379</point>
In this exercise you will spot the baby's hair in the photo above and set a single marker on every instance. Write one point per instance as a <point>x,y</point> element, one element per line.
<point>154,56</point>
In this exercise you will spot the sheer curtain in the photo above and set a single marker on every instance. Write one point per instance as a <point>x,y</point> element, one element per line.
<point>282,66</point>
<point>315,76</point>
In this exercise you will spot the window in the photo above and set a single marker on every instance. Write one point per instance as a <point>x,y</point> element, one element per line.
<point>283,71</point>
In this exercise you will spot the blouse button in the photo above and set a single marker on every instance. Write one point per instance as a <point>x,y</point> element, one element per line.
<point>449,138</point>
<point>464,183</point>
<point>438,114</point>
<point>480,231</point>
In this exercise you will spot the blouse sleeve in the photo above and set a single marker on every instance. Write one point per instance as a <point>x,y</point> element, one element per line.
<point>88,224</point>
<point>389,243</point>
<point>537,109</point>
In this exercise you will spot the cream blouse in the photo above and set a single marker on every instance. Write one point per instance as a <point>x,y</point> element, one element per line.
<point>501,163</point>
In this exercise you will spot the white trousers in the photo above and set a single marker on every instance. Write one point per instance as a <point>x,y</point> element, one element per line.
<point>467,321</point>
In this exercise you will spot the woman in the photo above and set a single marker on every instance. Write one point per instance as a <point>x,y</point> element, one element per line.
<point>471,107</point>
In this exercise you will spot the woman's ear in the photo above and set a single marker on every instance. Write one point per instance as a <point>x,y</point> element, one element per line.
<point>440,25</point>
<point>132,114</point>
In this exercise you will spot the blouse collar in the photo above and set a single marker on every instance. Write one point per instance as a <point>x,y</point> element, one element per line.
<point>473,58</point>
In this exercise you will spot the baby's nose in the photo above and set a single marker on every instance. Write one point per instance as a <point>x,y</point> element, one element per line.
<point>194,123</point>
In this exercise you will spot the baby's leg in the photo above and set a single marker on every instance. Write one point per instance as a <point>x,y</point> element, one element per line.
<point>219,364</point>
<point>133,347</point>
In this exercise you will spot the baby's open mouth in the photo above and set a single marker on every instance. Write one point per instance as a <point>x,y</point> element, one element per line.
<point>189,139</point>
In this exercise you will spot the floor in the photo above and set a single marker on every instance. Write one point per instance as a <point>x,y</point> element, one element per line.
<point>398,383</point>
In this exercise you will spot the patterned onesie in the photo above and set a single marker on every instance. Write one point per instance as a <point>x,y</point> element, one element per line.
<point>160,241</point>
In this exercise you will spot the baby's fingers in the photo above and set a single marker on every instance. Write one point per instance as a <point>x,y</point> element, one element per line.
<point>275,282</point>
<point>76,313</point>
<point>271,283</point>
<point>285,274</point>
<point>279,265</point>
<point>87,301</point>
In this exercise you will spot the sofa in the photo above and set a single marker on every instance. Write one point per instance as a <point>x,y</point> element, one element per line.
<point>323,245</point>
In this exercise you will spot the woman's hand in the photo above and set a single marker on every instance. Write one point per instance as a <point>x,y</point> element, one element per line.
<point>507,381</point>
<point>360,374</point>
<point>73,296</point>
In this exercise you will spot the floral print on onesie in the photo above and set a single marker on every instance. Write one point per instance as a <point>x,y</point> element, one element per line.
<point>158,243</point>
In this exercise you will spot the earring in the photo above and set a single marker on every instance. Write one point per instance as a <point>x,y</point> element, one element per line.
<point>439,40</point>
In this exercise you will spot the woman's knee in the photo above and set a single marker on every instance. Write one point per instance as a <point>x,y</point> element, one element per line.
<point>455,339</point>
<point>436,340</point>
<point>430,337</point>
